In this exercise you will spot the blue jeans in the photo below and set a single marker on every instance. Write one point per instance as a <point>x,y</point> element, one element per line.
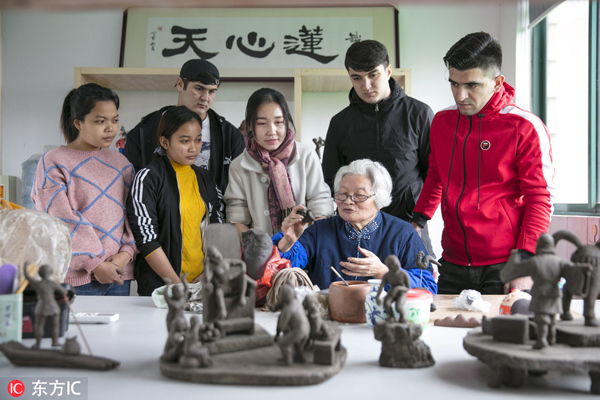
<point>95,288</point>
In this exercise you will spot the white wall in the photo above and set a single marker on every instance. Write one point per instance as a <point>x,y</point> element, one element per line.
<point>39,51</point>
<point>37,68</point>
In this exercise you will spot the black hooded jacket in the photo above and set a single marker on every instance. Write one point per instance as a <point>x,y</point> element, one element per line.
<point>395,132</point>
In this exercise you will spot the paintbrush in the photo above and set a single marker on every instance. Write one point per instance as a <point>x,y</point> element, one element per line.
<point>338,274</point>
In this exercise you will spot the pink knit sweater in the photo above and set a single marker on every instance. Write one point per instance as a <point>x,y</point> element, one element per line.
<point>87,190</point>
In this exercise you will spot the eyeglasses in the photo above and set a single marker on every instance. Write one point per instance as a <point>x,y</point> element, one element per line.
<point>357,198</point>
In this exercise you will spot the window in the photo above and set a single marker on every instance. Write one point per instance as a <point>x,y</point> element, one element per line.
<point>562,98</point>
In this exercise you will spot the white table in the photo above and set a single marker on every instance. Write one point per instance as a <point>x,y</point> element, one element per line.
<point>138,338</point>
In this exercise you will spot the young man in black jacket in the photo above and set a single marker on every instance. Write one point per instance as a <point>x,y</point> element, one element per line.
<point>383,124</point>
<point>197,85</point>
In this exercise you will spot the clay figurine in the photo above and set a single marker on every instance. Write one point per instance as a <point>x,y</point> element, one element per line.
<point>218,280</point>
<point>293,328</point>
<point>195,354</point>
<point>46,305</point>
<point>399,283</point>
<point>176,333</point>
<point>319,142</point>
<point>546,269</point>
<point>176,301</point>
<point>583,254</point>
<point>319,330</point>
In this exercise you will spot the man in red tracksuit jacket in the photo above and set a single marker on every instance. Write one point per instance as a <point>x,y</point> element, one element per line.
<point>490,168</point>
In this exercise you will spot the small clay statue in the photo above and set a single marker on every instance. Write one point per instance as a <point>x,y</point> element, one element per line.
<point>175,302</point>
<point>195,354</point>
<point>218,279</point>
<point>174,346</point>
<point>71,346</point>
<point>292,325</point>
<point>586,254</point>
<point>422,261</point>
<point>46,305</point>
<point>318,329</point>
<point>546,269</point>
<point>319,142</point>
<point>399,283</point>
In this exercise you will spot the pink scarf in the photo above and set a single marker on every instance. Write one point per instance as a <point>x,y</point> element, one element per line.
<point>279,193</point>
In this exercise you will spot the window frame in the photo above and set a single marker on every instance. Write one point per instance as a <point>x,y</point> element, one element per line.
<point>539,58</point>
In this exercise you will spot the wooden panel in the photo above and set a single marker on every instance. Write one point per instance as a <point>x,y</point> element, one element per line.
<point>163,79</point>
<point>593,230</point>
<point>337,80</point>
<point>559,222</point>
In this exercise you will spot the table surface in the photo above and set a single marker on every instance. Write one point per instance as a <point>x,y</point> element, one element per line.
<point>138,338</point>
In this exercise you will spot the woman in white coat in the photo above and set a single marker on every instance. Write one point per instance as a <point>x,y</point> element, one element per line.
<point>274,173</point>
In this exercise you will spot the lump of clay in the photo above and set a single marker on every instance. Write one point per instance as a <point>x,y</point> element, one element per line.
<point>460,321</point>
<point>257,248</point>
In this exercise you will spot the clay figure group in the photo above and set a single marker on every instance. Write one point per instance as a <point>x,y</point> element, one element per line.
<point>184,344</point>
<point>546,269</point>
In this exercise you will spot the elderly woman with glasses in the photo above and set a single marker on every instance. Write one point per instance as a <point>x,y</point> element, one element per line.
<point>356,240</point>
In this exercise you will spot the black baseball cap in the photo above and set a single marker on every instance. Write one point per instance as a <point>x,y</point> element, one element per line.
<point>200,70</point>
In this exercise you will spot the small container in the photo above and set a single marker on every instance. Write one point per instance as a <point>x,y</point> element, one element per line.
<point>374,312</point>
<point>347,303</point>
<point>417,306</point>
<point>11,311</point>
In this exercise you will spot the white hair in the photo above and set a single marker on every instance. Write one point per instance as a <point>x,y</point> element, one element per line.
<point>379,176</point>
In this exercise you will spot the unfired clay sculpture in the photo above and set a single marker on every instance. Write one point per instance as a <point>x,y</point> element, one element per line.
<point>319,142</point>
<point>584,254</point>
<point>46,306</point>
<point>546,269</point>
<point>399,283</point>
<point>176,301</point>
<point>70,355</point>
<point>500,341</point>
<point>228,348</point>
<point>293,328</point>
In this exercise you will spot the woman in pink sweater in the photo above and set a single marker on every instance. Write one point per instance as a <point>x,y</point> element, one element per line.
<point>85,185</point>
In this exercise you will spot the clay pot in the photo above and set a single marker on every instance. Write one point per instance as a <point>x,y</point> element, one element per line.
<point>347,303</point>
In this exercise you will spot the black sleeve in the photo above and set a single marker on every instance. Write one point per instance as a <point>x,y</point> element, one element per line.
<point>332,157</point>
<point>424,144</point>
<point>134,148</point>
<point>142,211</point>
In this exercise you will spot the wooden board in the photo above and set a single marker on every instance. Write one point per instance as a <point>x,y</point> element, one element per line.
<point>445,308</point>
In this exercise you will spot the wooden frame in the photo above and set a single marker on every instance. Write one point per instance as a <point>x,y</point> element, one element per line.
<point>138,48</point>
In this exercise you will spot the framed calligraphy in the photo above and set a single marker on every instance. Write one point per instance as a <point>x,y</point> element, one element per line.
<point>254,38</point>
